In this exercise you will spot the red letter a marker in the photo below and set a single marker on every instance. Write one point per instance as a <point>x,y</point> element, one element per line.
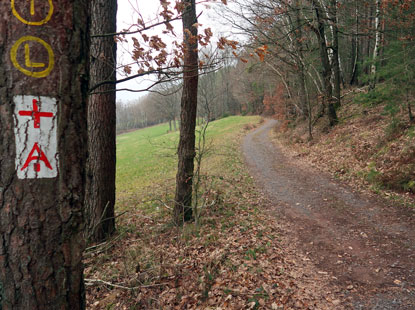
<point>41,156</point>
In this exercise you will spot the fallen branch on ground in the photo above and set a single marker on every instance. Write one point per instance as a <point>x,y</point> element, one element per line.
<point>91,282</point>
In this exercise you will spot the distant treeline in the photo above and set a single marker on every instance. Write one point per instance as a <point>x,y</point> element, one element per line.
<point>218,96</point>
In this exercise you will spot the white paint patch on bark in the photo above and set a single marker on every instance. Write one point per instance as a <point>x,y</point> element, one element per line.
<point>35,134</point>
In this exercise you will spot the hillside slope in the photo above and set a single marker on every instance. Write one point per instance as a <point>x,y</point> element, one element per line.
<point>369,149</point>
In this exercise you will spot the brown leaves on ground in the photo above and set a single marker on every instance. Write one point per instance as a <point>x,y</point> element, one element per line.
<point>236,259</point>
<point>367,149</point>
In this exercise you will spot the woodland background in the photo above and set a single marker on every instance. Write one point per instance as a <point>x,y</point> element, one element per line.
<point>168,216</point>
<point>301,61</point>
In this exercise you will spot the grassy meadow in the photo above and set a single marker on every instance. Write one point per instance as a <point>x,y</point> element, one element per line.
<point>147,159</point>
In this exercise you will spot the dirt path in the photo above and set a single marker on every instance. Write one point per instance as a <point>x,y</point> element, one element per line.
<point>366,245</point>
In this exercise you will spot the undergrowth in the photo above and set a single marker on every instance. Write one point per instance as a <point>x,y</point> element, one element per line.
<point>372,147</point>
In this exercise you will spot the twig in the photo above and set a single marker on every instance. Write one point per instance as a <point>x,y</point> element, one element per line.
<point>103,35</point>
<point>164,204</point>
<point>95,246</point>
<point>99,281</point>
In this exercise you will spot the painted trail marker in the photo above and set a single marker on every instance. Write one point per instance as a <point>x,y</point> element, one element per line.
<point>35,132</point>
<point>43,149</point>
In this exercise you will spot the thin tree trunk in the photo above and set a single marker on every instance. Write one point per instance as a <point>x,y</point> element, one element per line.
<point>408,105</point>
<point>336,56</point>
<point>42,190</point>
<point>355,48</point>
<point>368,52</point>
<point>410,115</point>
<point>186,150</point>
<point>333,52</point>
<point>283,79</point>
<point>328,91</point>
<point>296,28</point>
<point>316,82</point>
<point>376,49</point>
<point>100,194</point>
<point>301,69</point>
<point>310,116</point>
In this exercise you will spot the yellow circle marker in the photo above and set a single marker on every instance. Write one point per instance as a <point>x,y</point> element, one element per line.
<point>32,12</point>
<point>28,62</point>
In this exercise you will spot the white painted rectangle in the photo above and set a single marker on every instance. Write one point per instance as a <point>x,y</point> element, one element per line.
<point>35,133</point>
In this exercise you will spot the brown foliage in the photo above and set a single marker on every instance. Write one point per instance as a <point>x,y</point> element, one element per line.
<point>368,150</point>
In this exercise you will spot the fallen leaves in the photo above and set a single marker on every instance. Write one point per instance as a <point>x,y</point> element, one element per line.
<point>234,261</point>
<point>237,259</point>
<point>361,151</point>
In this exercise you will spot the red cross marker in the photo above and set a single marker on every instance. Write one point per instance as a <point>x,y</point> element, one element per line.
<point>36,114</point>
<point>41,156</point>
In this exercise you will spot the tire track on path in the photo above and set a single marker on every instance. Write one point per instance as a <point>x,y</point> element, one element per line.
<point>367,245</point>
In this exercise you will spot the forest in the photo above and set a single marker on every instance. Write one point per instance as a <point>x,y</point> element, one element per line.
<point>284,60</point>
<point>268,162</point>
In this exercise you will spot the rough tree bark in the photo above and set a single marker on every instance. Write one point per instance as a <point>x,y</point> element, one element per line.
<point>298,30</point>
<point>355,48</point>
<point>330,13</point>
<point>336,56</point>
<point>328,90</point>
<point>43,68</point>
<point>186,149</point>
<point>100,191</point>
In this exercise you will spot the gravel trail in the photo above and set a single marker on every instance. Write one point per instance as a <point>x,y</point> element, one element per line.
<point>367,245</point>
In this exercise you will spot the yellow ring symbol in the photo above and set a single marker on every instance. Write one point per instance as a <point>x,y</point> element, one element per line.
<point>40,74</point>
<point>32,12</point>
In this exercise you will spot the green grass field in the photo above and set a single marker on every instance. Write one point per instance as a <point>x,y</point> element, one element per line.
<point>147,159</point>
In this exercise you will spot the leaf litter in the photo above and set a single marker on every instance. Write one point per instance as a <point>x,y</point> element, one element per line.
<point>239,257</point>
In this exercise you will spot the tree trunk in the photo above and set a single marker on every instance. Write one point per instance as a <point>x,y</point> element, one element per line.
<point>367,40</point>
<point>174,124</point>
<point>300,61</point>
<point>100,193</point>
<point>355,48</point>
<point>186,150</point>
<point>310,116</point>
<point>409,108</point>
<point>376,49</point>
<point>328,91</point>
<point>43,142</point>
<point>336,57</point>
<point>333,51</point>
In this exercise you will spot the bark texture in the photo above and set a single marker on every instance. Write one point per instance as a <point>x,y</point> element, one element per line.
<point>327,70</point>
<point>100,193</point>
<point>336,56</point>
<point>376,49</point>
<point>297,29</point>
<point>186,150</point>
<point>41,220</point>
<point>355,48</point>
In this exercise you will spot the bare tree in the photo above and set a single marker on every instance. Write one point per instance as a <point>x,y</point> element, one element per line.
<point>209,92</point>
<point>376,49</point>
<point>324,57</point>
<point>166,100</point>
<point>186,149</point>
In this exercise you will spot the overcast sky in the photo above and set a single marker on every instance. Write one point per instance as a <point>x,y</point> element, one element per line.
<point>127,15</point>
